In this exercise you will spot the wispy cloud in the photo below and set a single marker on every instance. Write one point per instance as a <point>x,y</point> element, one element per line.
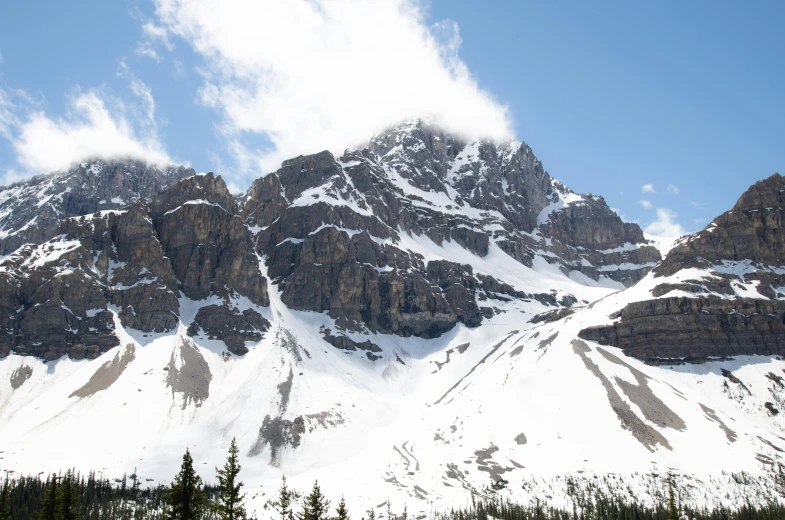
<point>665,225</point>
<point>645,203</point>
<point>315,74</point>
<point>157,33</point>
<point>648,188</point>
<point>8,118</point>
<point>673,189</point>
<point>153,36</point>
<point>143,49</point>
<point>95,124</point>
<point>699,205</point>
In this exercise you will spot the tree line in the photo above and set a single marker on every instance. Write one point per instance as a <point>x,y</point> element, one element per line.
<point>71,496</point>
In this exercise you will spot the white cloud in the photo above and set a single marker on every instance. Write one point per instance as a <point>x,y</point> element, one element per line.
<point>648,188</point>
<point>95,125</point>
<point>646,204</point>
<point>316,74</point>
<point>91,130</point>
<point>699,205</point>
<point>665,225</point>
<point>152,35</point>
<point>145,49</point>
<point>145,95</point>
<point>673,189</point>
<point>8,119</point>
<point>157,33</point>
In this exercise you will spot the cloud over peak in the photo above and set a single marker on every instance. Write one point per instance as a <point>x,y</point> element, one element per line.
<point>95,125</point>
<point>665,226</point>
<point>315,74</point>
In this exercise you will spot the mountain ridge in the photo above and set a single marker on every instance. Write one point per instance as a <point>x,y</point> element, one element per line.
<point>411,316</point>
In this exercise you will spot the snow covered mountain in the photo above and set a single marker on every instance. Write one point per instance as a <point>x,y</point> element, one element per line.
<point>31,211</point>
<point>415,320</point>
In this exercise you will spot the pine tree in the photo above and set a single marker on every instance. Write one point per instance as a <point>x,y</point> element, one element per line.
<point>229,505</point>
<point>389,510</point>
<point>315,505</point>
<point>49,502</point>
<point>405,515</point>
<point>68,498</point>
<point>185,499</point>
<point>673,512</point>
<point>283,506</point>
<point>343,513</point>
<point>5,500</point>
<point>371,514</point>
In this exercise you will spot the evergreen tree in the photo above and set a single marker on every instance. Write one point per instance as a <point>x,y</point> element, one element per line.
<point>315,505</point>
<point>673,512</point>
<point>283,506</point>
<point>49,501</point>
<point>68,498</point>
<point>389,510</point>
<point>5,500</point>
<point>343,513</point>
<point>229,504</point>
<point>371,514</point>
<point>185,498</point>
<point>405,515</point>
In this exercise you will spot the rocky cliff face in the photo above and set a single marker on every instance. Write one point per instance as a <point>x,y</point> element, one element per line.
<point>333,230</point>
<point>679,329</point>
<point>131,266</point>
<point>344,236</point>
<point>31,211</point>
<point>720,291</point>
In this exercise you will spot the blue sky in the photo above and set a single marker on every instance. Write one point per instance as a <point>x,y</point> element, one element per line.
<point>612,96</point>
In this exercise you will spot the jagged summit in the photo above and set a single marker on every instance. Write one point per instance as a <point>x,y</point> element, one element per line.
<point>31,210</point>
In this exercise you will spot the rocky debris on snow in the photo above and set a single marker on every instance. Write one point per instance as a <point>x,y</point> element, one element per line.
<point>343,342</point>
<point>20,376</point>
<point>644,433</point>
<point>460,349</point>
<point>188,374</point>
<point>641,395</point>
<point>277,433</point>
<point>108,373</point>
<point>712,416</point>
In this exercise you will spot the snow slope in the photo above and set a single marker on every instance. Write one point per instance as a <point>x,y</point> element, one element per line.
<point>430,423</point>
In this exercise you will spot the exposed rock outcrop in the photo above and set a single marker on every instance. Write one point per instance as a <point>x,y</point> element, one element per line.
<point>735,303</point>
<point>752,231</point>
<point>230,325</point>
<point>32,211</point>
<point>56,296</point>
<point>675,330</point>
<point>207,244</point>
<point>331,230</point>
